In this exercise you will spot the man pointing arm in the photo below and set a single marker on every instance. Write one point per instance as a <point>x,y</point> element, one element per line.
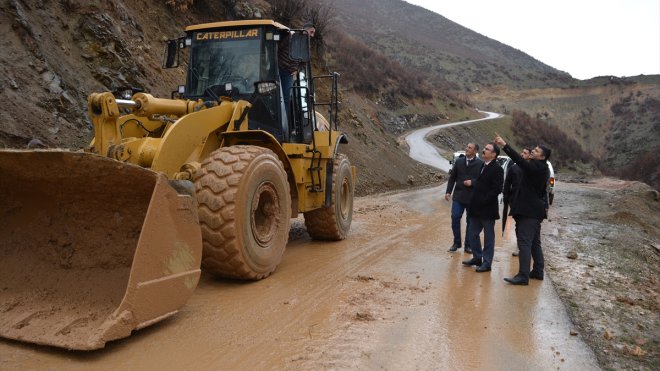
<point>529,210</point>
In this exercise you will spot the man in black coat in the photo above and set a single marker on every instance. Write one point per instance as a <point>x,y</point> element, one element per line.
<point>529,210</point>
<point>511,184</point>
<point>484,209</point>
<point>465,168</point>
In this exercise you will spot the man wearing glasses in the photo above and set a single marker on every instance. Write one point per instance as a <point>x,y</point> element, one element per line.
<point>465,168</point>
<point>528,210</point>
<point>484,209</point>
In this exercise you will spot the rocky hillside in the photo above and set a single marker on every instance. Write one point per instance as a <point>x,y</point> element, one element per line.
<point>402,67</point>
<point>55,53</point>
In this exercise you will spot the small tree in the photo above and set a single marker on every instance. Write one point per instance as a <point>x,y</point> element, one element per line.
<point>230,7</point>
<point>180,5</point>
<point>288,11</point>
<point>322,15</point>
<point>532,131</point>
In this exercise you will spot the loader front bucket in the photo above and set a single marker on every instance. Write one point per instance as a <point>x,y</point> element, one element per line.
<point>90,248</point>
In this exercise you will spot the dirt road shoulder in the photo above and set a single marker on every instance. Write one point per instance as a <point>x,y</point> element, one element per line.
<point>601,248</point>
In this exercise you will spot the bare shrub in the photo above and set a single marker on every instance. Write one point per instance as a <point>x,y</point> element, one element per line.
<point>533,131</point>
<point>371,72</point>
<point>461,99</point>
<point>288,12</point>
<point>180,5</point>
<point>645,167</point>
<point>70,5</point>
<point>322,16</point>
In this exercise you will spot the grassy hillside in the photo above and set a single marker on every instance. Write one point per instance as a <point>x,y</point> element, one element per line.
<point>615,120</point>
<point>440,48</point>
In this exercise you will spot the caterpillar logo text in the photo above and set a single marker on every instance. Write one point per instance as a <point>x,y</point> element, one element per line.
<point>227,35</point>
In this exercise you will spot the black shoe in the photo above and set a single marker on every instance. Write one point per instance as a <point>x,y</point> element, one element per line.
<point>468,250</point>
<point>536,275</point>
<point>517,280</point>
<point>473,261</point>
<point>454,248</point>
<point>483,268</point>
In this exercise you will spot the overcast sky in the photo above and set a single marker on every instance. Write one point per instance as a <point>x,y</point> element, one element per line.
<point>585,38</point>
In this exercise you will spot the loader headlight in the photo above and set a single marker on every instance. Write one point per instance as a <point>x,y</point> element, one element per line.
<point>126,94</point>
<point>266,87</point>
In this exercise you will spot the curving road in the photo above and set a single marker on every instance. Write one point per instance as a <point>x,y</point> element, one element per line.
<point>424,152</point>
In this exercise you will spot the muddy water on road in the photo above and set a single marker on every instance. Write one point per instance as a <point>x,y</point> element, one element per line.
<point>389,296</point>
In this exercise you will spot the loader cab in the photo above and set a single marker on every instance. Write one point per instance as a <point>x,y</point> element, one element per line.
<point>227,59</point>
<point>227,66</point>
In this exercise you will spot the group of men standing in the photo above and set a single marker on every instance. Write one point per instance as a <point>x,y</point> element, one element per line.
<point>476,184</point>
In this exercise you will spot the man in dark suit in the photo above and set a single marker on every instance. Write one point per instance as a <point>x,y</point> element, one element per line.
<point>529,210</point>
<point>511,184</point>
<point>465,168</point>
<point>484,209</point>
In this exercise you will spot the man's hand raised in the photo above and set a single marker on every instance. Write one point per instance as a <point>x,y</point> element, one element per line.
<point>499,141</point>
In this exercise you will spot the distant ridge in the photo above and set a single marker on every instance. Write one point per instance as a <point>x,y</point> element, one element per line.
<point>441,48</point>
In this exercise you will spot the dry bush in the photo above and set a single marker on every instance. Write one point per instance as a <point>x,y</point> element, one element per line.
<point>70,6</point>
<point>461,99</point>
<point>645,167</point>
<point>322,16</point>
<point>622,109</point>
<point>371,72</point>
<point>180,5</point>
<point>533,131</point>
<point>288,12</point>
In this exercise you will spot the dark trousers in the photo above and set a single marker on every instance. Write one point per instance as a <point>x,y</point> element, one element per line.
<point>457,209</point>
<point>287,83</point>
<point>488,226</point>
<point>528,234</point>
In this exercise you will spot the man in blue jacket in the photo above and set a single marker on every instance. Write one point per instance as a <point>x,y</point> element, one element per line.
<point>484,209</point>
<point>528,210</point>
<point>465,168</point>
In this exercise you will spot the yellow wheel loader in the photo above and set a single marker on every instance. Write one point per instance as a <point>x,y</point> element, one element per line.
<point>98,243</point>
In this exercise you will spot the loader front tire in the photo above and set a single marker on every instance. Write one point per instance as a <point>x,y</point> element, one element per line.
<point>334,222</point>
<point>244,212</point>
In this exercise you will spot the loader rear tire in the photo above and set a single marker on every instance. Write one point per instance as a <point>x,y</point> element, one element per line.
<point>334,222</point>
<point>244,212</point>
